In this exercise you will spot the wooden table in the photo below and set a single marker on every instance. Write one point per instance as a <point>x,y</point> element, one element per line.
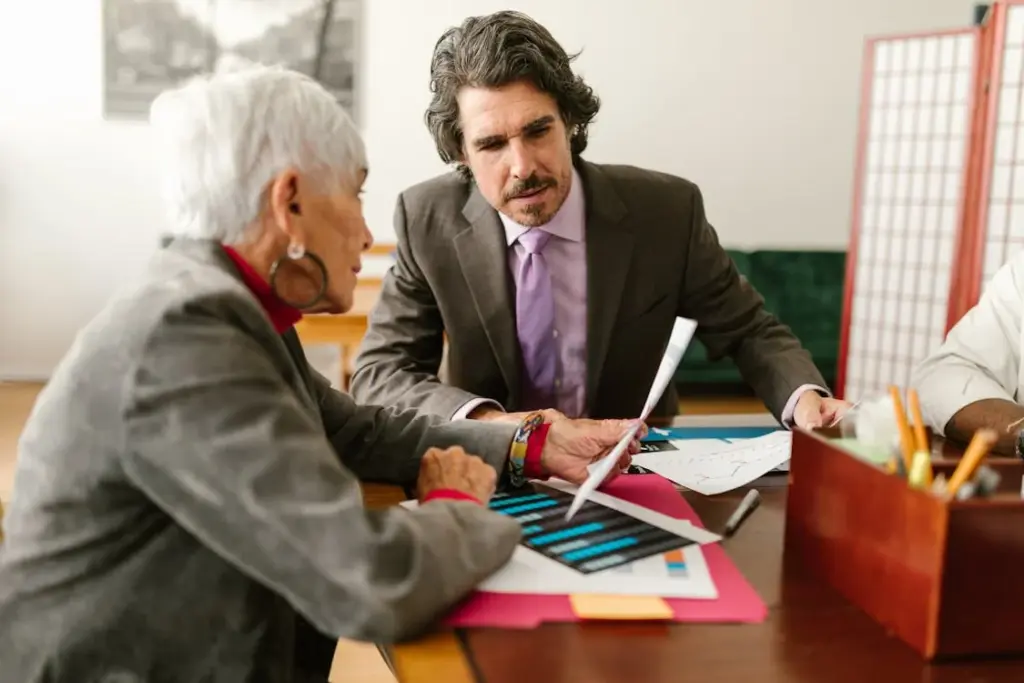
<point>811,635</point>
<point>345,330</point>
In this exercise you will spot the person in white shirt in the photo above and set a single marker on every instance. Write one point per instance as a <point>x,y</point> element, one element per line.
<point>974,379</point>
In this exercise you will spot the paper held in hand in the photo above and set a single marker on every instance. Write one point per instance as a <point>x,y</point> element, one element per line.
<point>682,333</point>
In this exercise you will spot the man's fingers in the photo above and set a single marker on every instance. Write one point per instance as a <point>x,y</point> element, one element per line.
<point>616,429</point>
<point>625,460</point>
<point>611,475</point>
<point>812,422</point>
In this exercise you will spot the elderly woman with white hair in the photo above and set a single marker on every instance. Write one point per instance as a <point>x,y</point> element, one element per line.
<point>187,504</point>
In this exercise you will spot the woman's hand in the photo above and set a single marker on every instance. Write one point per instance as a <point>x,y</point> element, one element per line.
<point>453,469</point>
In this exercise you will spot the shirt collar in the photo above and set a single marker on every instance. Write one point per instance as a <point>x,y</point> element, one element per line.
<point>282,315</point>
<point>567,222</point>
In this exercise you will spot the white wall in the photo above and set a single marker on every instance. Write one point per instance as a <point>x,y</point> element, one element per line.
<point>755,100</point>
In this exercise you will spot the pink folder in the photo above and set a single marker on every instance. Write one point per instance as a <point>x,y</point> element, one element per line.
<point>737,601</point>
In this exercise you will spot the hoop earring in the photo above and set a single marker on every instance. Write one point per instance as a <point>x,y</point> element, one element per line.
<point>297,252</point>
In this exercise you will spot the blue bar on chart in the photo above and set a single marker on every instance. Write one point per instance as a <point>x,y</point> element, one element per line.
<point>598,537</point>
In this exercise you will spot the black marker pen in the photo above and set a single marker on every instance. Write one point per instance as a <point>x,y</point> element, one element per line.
<point>746,506</point>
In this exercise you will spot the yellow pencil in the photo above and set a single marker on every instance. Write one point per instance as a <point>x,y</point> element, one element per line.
<point>981,443</point>
<point>906,437</point>
<point>919,434</point>
<point>915,412</point>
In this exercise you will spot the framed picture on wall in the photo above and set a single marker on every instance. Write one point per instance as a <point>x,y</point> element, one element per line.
<point>151,45</point>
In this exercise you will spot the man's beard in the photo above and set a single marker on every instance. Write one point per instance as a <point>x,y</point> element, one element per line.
<point>528,185</point>
<point>532,215</point>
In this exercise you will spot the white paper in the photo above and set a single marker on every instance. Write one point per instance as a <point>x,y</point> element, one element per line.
<point>692,447</point>
<point>701,447</point>
<point>652,517</point>
<point>529,571</point>
<point>682,333</point>
<point>710,471</point>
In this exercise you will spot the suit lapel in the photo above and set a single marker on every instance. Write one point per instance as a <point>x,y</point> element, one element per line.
<point>609,254</point>
<point>482,253</point>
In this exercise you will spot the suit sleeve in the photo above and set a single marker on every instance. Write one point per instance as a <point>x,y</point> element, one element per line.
<point>731,320</point>
<point>980,357</point>
<point>400,356</point>
<point>373,442</point>
<point>218,440</point>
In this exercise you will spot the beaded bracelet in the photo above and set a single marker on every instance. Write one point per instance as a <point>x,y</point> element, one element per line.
<point>517,454</point>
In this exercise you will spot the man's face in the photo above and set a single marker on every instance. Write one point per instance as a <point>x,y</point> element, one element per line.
<point>517,147</point>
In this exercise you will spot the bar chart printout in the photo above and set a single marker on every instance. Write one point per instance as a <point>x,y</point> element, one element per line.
<point>596,538</point>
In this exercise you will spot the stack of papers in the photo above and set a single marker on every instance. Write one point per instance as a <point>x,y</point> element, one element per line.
<point>712,466</point>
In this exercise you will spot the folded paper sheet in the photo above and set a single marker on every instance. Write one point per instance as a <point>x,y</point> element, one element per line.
<point>736,602</point>
<point>679,340</point>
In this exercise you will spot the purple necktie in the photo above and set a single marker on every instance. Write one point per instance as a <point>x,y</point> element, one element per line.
<point>535,322</point>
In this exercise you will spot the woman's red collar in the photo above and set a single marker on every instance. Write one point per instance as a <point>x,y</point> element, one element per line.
<point>282,315</point>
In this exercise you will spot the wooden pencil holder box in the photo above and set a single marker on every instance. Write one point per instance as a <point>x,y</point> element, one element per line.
<point>946,577</point>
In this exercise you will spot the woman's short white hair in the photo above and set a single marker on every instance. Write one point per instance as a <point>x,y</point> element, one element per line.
<point>222,138</point>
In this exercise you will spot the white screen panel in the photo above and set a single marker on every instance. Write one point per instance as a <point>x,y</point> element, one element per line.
<point>1003,227</point>
<point>912,187</point>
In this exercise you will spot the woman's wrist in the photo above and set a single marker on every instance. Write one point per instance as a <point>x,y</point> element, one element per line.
<point>450,494</point>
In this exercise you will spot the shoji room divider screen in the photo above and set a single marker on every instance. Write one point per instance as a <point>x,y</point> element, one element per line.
<point>939,193</point>
<point>997,231</point>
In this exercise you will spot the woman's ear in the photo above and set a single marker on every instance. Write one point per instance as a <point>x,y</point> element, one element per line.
<point>286,205</point>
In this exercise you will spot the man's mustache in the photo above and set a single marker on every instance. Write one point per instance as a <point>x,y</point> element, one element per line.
<point>527,185</point>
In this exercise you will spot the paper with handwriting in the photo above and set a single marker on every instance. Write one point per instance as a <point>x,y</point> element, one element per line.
<point>713,468</point>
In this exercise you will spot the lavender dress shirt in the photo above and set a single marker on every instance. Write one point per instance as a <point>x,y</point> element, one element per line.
<point>566,256</point>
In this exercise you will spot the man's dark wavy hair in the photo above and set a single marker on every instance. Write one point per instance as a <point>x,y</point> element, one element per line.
<point>493,51</point>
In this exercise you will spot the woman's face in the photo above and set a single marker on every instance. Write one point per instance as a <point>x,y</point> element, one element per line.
<point>329,225</point>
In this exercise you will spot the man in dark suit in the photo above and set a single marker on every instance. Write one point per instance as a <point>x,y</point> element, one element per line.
<point>556,281</point>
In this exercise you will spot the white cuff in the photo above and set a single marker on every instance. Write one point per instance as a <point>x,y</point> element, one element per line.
<point>787,412</point>
<point>470,406</point>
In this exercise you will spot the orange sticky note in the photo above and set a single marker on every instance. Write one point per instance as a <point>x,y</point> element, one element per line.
<point>588,606</point>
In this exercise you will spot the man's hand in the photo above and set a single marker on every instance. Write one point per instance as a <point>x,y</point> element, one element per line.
<point>453,469</point>
<point>813,411</point>
<point>571,446</point>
